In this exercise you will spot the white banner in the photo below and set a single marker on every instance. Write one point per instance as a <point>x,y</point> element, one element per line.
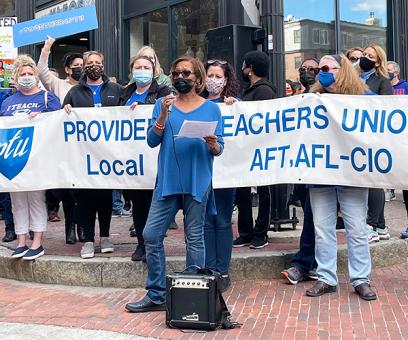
<point>7,49</point>
<point>328,139</point>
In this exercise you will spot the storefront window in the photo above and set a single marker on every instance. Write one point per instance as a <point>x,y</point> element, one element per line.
<point>7,8</point>
<point>309,33</point>
<point>151,29</point>
<point>192,20</point>
<point>362,23</point>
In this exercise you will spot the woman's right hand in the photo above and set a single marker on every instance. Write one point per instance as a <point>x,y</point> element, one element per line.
<point>68,108</point>
<point>166,103</point>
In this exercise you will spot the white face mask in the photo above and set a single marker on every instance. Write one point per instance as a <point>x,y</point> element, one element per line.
<point>214,85</point>
<point>27,82</point>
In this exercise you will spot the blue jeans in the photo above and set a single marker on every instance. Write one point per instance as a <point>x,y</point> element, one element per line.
<point>304,259</point>
<point>117,203</point>
<point>5,201</point>
<point>353,206</point>
<point>218,232</point>
<point>161,214</point>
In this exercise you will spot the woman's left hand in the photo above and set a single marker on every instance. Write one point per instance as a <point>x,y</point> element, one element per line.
<point>31,115</point>
<point>212,143</point>
<point>230,100</point>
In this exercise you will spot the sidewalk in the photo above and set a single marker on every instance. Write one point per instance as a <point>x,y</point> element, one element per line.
<point>267,309</point>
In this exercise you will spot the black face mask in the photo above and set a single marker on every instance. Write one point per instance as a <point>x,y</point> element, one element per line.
<point>245,76</point>
<point>366,64</point>
<point>183,85</point>
<point>76,73</point>
<point>307,79</point>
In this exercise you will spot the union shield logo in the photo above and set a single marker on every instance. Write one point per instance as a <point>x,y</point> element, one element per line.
<point>15,148</point>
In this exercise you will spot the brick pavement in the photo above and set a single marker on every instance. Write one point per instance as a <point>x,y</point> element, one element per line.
<point>267,309</point>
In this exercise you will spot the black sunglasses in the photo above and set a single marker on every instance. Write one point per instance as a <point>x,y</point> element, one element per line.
<point>218,61</point>
<point>326,68</point>
<point>305,69</point>
<point>184,73</point>
<point>354,59</point>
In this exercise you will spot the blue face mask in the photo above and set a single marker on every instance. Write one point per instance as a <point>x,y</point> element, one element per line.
<point>142,78</point>
<point>326,78</point>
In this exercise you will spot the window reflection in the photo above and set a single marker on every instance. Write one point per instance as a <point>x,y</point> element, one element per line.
<point>362,23</point>
<point>150,29</point>
<point>309,33</point>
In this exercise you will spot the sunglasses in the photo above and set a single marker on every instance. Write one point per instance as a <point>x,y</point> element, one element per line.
<point>184,73</point>
<point>305,69</point>
<point>326,68</point>
<point>218,61</point>
<point>354,59</point>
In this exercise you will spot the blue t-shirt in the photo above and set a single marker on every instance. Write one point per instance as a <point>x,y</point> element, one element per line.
<point>96,93</point>
<point>185,165</point>
<point>20,103</point>
<point>401,87</point>
<point>136,97</point>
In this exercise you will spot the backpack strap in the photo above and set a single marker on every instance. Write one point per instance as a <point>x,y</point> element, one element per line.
<point>226,323</point>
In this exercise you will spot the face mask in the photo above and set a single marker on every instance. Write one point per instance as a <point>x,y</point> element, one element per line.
<point>326,78</point>
<point>142,78</point>
<point>27,82</point>
<point>76,73</point>
<point>93,72</point>
<point>307,79</point>
<point>183,85</point>
<point>214,85</point>
<point>391,75</point>
<point>366,64</point>
<point>245,76</point>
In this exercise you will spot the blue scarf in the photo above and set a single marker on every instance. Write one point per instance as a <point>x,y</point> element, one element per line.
<point>365,75</point>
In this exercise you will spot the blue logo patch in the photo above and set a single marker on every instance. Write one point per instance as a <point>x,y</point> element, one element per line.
<point>15,148</point>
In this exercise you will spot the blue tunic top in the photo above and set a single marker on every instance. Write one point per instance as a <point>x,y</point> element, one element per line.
<point>185,164</point>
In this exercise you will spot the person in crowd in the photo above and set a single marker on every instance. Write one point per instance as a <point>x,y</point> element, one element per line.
<point>373,72</point>
<point>254,70</point>
<point>94,90</point>
<point>354,54</point>
<point>29,207</point>
<point>5,203</point>
<point>307,73</point>
<point>73,63</point>
<point>142,89</point>
<point>160,77</point>
<point>337,75</point>
<point>184,177</point>
<point>303,265</point>
<point>54,72</point>
<point>221,86</point>
<point>296,87</point>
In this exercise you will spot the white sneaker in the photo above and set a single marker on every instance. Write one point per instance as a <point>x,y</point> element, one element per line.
<point>372,235</point>
<point>88,250</point>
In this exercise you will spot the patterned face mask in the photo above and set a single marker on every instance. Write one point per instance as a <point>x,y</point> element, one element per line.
<point>93,72</point>
<point>27,82</point>
<point>214,85</point>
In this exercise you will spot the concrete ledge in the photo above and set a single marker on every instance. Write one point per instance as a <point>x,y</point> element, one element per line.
<point>123,273</point>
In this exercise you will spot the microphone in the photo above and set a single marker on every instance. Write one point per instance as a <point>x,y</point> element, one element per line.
<point>173,92</point>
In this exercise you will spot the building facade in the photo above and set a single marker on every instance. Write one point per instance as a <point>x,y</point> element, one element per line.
<point>293,29</point>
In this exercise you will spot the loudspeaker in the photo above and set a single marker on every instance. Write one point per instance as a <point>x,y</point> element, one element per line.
<point>231,42</point>
<point>193,301</point>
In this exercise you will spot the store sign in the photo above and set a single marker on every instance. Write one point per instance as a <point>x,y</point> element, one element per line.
<point>57,26</point>
<point>64,6</point>
<point>7,48</point>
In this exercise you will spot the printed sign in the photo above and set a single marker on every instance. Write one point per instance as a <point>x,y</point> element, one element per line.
<point>57,26</point>
<point>321,139</point>
<point>6,68</point>
<point>7,48</point>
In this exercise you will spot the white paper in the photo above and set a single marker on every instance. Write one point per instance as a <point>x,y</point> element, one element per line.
<point>197,129</point>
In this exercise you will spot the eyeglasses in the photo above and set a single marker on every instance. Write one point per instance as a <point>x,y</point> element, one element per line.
<point>184,73</point>
<point>305,69</point>
<point>354,59</point>
<point>326,68</point>
<point>218,61</point>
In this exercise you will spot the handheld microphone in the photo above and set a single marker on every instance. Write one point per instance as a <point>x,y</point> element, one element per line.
<point>173,92</point>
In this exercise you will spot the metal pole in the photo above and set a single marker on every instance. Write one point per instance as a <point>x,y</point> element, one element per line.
<point>337,24</point>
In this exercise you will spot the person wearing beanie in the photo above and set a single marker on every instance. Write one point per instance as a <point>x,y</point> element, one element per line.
<point>254,70</point>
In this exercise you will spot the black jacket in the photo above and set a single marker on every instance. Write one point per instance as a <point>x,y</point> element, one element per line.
<point>154,92</point>
<point>261,90</point>
<point>81,95</point>
<point>379,84</point>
